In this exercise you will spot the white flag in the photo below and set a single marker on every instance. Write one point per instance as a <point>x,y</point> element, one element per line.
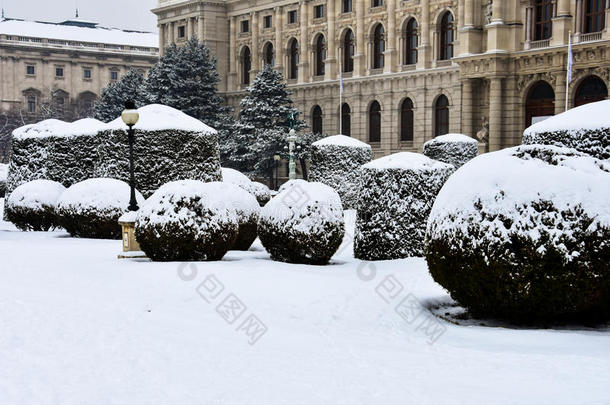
<point>570,59</point>
<point>341,81</point>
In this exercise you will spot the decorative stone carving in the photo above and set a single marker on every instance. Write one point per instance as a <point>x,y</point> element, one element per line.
<point>489,12</point>
<point>483,134</point>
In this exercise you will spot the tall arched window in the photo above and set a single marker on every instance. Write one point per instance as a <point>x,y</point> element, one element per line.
<point>540,103</point>
<point>378,47</point>
<point>293,59</point>
<point>320,55</point>
<point>590,90</point>
<point>348,51</point>
<point>543,24</point>
<point>595,15</point>
<point>347,6</point>
<point>346,119</point>
<point>316,120</point>
<point>246,65</point>
<point>446,36</point>
<point>268,55</point>
<point>411,42</point>
<point>375,122</point>
<point>406,120</point>
<point>441,116</point>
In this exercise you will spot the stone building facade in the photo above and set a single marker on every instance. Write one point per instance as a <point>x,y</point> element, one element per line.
<point>411,69</point>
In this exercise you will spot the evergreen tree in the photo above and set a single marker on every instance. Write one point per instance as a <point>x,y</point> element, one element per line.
<point>111,103</point>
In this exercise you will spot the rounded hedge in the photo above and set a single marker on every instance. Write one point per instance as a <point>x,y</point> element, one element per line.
<point>336,162</point>
<point>31,206</point>
<point>187,220</point>
<point>247,210</point>
<point>455,149</point>
<point>303,223</point>
<point>396,197</point>
<point>258,190</point>
<point>91,208</point>
<point>524,234</point>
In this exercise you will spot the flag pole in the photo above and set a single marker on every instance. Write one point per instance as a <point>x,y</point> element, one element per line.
<point>340,97</point>
<point>569,70</point>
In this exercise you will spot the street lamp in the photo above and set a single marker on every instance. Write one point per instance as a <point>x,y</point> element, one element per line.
<point>130,117</point>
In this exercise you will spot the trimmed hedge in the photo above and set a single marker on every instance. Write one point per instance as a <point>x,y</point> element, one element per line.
<point>524,235</point>
<point>247,209</point>
<point>455,149</point>
<point>31,206</point>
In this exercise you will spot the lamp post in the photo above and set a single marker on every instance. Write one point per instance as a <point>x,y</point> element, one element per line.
<point>130,117</point>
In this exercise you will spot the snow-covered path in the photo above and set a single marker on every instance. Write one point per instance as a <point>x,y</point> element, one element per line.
<point>79,326</point>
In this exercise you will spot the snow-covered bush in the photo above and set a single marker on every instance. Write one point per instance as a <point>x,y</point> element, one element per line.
<point>3,176</point>
<point>585,128</point>
<point>455,149</point>
<point>31,206</point>
<point>302,224</point>
<point>258,190</point>
<point>91,208</point>
<point>336,162</point>
<point>187,220</point>
<point>524,234</point>
<point>169,146</point>
<point>395,199</point>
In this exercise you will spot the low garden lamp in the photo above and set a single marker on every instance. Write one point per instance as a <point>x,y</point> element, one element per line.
<point>130,117</point>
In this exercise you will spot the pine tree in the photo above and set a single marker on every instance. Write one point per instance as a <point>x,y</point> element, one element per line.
<point>111,103</point>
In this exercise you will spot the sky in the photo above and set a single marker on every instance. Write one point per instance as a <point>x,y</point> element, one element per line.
<point>126,14</point>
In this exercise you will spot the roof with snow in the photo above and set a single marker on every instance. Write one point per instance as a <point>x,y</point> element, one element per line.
<point>78,30</point>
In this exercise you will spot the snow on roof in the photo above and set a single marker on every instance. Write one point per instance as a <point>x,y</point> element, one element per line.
<point>97,34</point>
<point>158,117</point>
<point>405,161</point>
<point>342,140</point>
<point>57,128</point>
<point>586,117</point>
<point>452,138</point>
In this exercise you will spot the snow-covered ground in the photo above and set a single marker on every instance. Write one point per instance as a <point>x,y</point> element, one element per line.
<point>79,326</point>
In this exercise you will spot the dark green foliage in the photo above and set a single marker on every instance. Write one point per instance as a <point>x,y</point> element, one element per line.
<point>28,219</point>
<point>28,161</point>
<point>592,142</point>
<point>456,153</point>
<point>246,235</point>
<point>111,103</point>
<point>92,223</point>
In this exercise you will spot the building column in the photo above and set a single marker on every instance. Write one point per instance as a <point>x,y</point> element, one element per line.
<point>331,59</point>
<point>161,39</point>
<point>172,33</point>
<point>497,31</point>
<point>467,107</point>
<point>562,23</point>
<point>469,13</point>
<point>189,28</point>
<point>359,56</point>
<point>390,52</point>
<point>304,44</point>
<point>560,94</point>
<point>495,114</point>
<point>279,43</point>
<point>200,29</point>
<point>425,49</point>
<point>529,21</point>
<point>256,58</point>
<point>471,32</point>
<point>232,82</point>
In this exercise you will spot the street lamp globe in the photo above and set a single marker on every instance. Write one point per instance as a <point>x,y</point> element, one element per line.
<point>130,115</point>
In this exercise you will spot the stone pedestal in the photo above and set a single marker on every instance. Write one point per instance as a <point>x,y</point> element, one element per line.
<point>131,247</point>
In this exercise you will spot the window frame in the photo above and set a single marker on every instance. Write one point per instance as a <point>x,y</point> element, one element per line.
<point>447,36</point>
<point>411,41</point>
<point>374,115</point>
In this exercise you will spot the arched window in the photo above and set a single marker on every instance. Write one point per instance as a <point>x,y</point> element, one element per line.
<point>293,59</point>
<point>86,101</point>
<point>590,90</point>
<point>375,122</point>
<point>543,24</point>
<point>347,6</point>
<point>268,55</point>
<point>540,103</point>
<point>31,100</point>
<point>316,120</point>
<point>595,15</point>
<point>446,36</point>
<point>59,98</point>
<point>378,47</point>
<point>441,116</point>
<point>348,51</point>
<point>411,42</point>
<point>346,119</point>
<point>406,120</point>
<point>320,55</point>
<point>246,65</point>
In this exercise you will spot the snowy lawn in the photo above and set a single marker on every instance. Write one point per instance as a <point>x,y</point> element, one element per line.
<point>78,326</point>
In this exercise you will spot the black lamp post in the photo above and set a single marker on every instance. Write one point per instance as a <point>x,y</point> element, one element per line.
<point>130,117</point>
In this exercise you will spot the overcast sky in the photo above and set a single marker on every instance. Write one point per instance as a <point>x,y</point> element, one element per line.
<point>129,14</point>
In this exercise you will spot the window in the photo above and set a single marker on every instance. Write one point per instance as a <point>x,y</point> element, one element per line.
<point>30,70</point>
<point>406,120</point>
<point>59,72</point>
<point>376,3</point>
<point>245,26</point>
<point>318,11</point>
<point>378,47</point>
<point>181,31</point>
<point>591,89</point>
<point>595,15</point>
<point>441,116</point>
<point>375,122</point>
<point>543,26</point>
<point>114,75</point>
<point>31,104</point>
<point>293,59</point>
<point>320,55</point>
<point>346,120</point>
<point>540,103</point>
<point>446,36</point>
<point>411,42</point>
<point>267,21</point>
<point>347,6</point>
<point>86,73</point>
<point>292,17</point>
<point>268,55</point>
<point>348,51</point>
<point>316,120</point>
<point>246,65</point>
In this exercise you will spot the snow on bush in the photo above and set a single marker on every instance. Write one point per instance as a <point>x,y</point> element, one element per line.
<point>303,223</point>
<point>3,176</point>
<point>455,149</point>
<point>524,234</point>
<point>187,220</point>
<point>31,206</point>
<point>585,128</point>
<point>336,161</point>
<point>258,190</point>
<point>169,145</point>
<point>396,196</point>
<point>91,208</point>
